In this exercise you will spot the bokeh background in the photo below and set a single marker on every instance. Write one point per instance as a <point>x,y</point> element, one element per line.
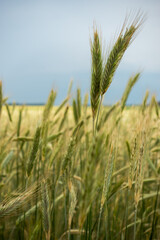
<point>45,44</point>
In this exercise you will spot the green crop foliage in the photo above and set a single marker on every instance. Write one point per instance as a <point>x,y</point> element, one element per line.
<point>82,172</point>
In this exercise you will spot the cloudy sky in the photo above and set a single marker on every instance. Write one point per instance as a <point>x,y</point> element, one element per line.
<point>45,44</point>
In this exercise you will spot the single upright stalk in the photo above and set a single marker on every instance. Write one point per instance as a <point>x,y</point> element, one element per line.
<point>99,106</point>
<point>135,219</point>
<point>93,127</point>
<point>69,234</point>
<point>17,166</point>
<point>99,221</point>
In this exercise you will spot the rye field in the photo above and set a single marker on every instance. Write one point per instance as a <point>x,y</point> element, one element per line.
<point>82,170</point>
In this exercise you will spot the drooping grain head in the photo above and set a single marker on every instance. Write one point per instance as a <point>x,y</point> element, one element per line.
<point>117,52</point>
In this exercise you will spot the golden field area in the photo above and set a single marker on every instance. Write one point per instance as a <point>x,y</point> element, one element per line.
<point>58,179</point>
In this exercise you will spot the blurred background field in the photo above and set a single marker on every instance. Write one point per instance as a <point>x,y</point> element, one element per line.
<point>58,193</point>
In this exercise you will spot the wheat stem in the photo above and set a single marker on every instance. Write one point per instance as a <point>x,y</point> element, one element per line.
<point>135,219</point>
<point>100,103</point>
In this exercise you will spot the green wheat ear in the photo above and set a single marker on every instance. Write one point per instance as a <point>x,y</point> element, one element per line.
<point>144,103</point>
<point>34,151</point>
<point>117,52</point>
<point>96,72</point>
<point>128,89</point>
<point>48,106</point>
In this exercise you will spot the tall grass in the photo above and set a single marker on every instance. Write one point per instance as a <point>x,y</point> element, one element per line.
<point>61,178</point>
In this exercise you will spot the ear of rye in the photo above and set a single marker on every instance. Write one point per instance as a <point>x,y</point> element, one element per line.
<point>117,53</point>
<point>34,151</point>
<point>96,52</point>
<point>128,89</point>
